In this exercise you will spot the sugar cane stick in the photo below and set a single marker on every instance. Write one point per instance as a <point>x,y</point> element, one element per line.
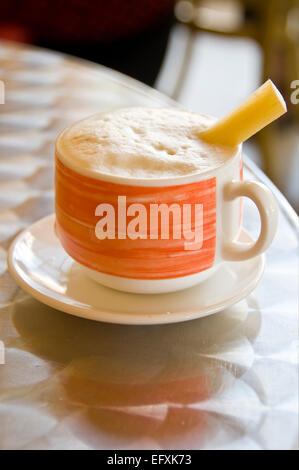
<point>261,108</point>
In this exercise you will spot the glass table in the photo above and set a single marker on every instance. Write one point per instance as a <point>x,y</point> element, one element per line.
<point>227,381</point>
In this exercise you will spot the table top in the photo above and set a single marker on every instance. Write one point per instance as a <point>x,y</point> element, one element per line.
<point>227,381</point>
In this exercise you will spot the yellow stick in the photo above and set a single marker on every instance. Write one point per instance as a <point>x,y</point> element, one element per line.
<point>262,107</point>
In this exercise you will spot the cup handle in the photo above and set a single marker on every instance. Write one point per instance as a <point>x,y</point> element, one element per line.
<point>268,209</point>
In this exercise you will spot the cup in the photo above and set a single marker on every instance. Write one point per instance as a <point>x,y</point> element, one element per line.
<point>148,243</point>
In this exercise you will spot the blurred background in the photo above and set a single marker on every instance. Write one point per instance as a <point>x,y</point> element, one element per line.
<point>207,54</point>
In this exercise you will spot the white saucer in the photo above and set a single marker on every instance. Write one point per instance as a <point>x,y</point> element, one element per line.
<point>41,267</point>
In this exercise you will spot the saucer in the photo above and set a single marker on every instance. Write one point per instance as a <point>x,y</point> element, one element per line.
<point>41,267</point>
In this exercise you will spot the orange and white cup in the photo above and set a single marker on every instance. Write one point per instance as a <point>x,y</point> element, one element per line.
<point>147,265</point>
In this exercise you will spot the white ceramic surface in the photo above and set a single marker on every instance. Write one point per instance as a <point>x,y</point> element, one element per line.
<point>40,266</point>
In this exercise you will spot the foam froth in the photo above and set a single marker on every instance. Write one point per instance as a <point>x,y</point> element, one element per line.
<point>141,143</point>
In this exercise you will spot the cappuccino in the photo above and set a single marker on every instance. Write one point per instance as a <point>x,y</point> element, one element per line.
<point>141,143</point>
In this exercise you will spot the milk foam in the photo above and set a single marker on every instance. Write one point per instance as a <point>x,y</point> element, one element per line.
<point>141,143</point>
